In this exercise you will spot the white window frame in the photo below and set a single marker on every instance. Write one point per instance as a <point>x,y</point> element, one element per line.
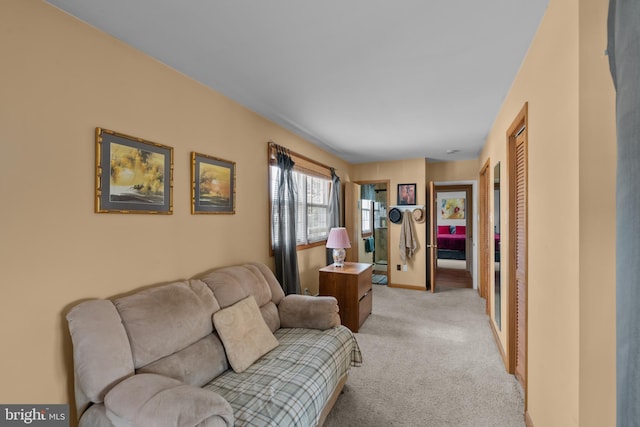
<point>307,233</point>
<point>366,215</point>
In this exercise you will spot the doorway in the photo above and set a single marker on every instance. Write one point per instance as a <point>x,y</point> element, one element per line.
<point>373,201</point>
<point>454,232</point>
<point>367,223</point>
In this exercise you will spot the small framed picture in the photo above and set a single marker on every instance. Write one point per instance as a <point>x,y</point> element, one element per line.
<point>132,175</point>
<point>406,194</point>
<point>213,185</point>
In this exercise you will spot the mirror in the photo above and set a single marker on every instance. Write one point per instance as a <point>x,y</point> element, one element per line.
<point>497,301</point>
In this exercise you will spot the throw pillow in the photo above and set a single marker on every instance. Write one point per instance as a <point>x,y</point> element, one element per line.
<point>461,229</point>
<point>244,333</point>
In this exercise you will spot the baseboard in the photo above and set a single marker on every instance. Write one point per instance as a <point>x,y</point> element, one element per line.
<point>496,336</point>
<point>527,420</point>
<point>412,287</point>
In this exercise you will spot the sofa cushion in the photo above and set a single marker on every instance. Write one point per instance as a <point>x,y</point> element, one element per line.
<point>101,351</point>
<point>197,364</point>
<point>232,284</point>
<point>276,288</point>
<point>306,311</point>
<point>271,316</point>
<point>244,333</point>
<point>163,320</point>
<point>154,400</point>
<point>291,384</point>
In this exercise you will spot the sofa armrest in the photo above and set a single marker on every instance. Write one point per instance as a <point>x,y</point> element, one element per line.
<point>156,400</point>
<point>305,311</point>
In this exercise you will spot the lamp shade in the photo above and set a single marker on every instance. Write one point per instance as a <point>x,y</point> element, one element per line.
<point>338,238</point>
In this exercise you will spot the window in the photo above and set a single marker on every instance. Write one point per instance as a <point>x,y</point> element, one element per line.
<point>312,210</point>
<point>367,217</point>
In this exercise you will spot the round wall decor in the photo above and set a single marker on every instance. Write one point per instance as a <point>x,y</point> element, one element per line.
<point>395,215</point>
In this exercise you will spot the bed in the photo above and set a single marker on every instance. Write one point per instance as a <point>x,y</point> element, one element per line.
<point>452,238</point>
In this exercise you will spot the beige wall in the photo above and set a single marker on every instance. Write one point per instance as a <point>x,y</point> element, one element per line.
<point>401,172</point>
<point>571,222</point>
<point>461,170</point>
<point>597,221</point>
<point>60,79</point>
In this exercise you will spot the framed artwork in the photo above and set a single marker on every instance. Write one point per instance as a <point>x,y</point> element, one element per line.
<point>406,194</point>
<point>132,175</point>
<point>213,185</point>
<point>452,208</point>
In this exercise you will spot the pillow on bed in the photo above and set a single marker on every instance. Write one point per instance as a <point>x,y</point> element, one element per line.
<point>461,229</point>
<point>443,229</point>
<point>244,333</point>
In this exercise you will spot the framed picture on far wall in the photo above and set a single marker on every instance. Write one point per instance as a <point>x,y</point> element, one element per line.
<point>406,194</point>
<point>452,208</point>
<point>213,185</point>
<point>132,175</point>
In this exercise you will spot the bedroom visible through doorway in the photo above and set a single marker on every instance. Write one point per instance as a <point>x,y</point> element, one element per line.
<point>454,235</point>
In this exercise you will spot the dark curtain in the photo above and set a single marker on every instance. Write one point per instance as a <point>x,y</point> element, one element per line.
<point>334,208</point>
<point>624,60</point>
<point>284,226</point>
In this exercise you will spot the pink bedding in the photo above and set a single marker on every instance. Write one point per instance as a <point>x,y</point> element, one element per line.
<point>454,242</point>
<point>457,241</point>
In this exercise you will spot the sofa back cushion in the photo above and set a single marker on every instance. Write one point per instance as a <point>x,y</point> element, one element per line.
<point>233,284</point>
<point>101,352</point>
<point>197,364</point>
<point>163,320</point>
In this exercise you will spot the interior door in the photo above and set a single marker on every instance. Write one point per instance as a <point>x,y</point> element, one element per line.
<point>520,257</point>
<point>485,259</point>
<point>517,167</point>
<point>432,245</point>
<point>352,219</point>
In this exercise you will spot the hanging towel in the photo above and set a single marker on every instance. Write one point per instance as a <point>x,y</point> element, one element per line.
<point>408,242</point>
<point>369,244</point>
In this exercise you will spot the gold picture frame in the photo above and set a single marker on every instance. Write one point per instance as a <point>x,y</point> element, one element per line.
<point>213,185</point>
<point>132,175</point>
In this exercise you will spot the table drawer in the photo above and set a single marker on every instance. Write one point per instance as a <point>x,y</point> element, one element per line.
<point>365,307</point>
<point>364,283</point>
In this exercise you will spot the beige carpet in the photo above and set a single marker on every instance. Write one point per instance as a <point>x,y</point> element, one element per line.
<point>429,360</point>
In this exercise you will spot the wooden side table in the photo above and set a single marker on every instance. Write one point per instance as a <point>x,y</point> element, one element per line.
<point>351,286</point>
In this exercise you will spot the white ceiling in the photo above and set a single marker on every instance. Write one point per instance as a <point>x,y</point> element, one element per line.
<point>368,80</point>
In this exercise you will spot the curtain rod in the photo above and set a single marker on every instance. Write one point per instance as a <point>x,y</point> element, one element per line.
<point>273,145</point>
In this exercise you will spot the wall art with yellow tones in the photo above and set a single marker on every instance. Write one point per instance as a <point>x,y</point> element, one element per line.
<point>132,175</point>
<point>452,209</point>
<point>213,186</point>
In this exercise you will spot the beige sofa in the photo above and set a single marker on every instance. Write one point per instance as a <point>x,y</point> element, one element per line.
<point>228,348</point>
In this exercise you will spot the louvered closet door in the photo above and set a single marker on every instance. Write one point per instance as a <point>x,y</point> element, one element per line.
<point>521,255</point>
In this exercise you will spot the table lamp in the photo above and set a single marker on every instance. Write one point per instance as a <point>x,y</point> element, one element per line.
<point>338,240</point>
